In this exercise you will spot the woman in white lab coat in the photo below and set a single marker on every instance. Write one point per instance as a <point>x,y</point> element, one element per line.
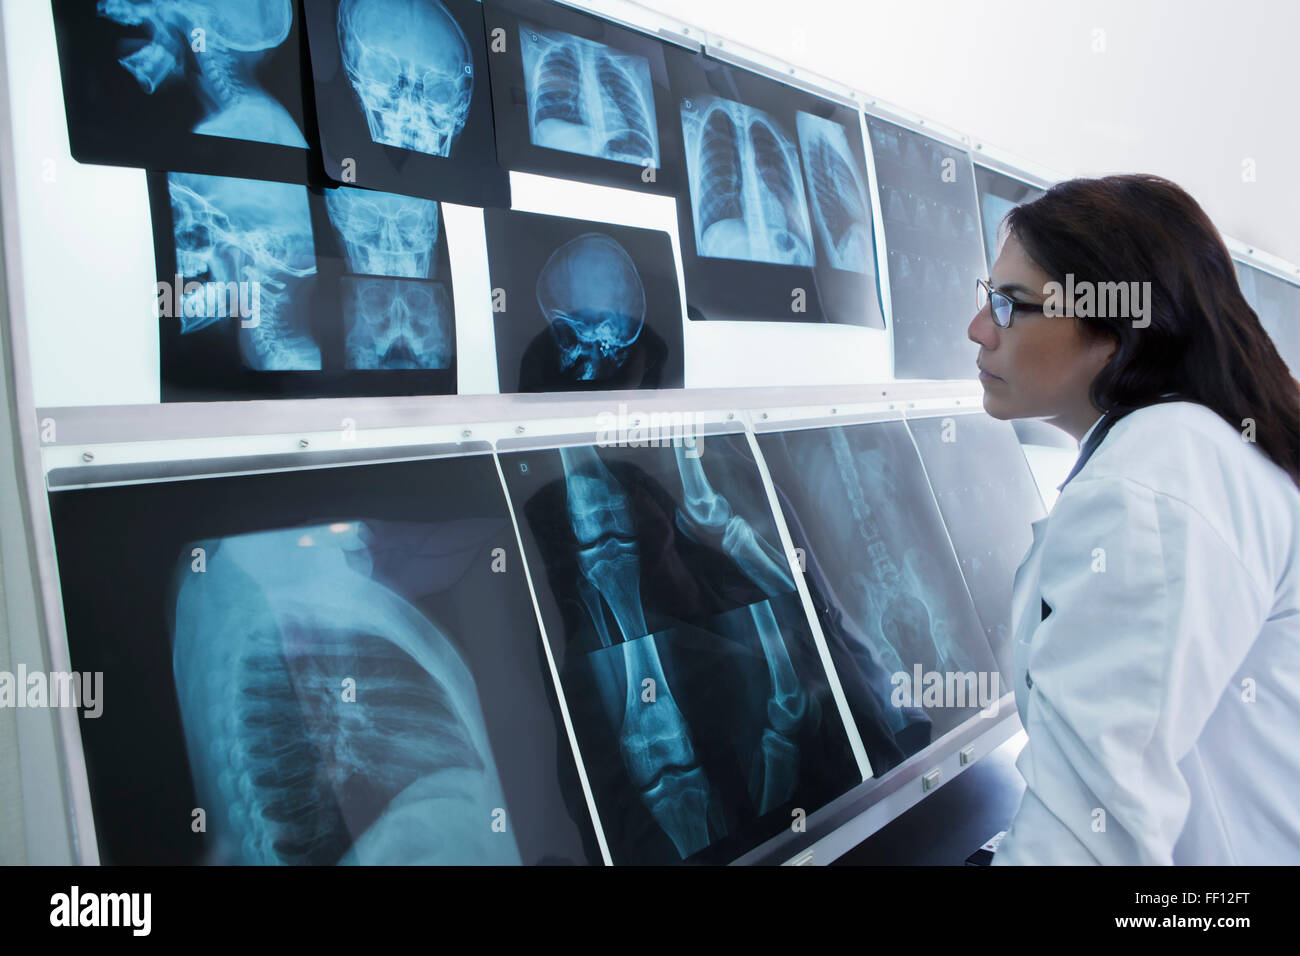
<point>1156,616</point>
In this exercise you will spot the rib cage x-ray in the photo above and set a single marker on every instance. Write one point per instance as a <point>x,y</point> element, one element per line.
<point>243,231</point>
<point>586,97</point>
<point>269,637</point>
<point>841,210</point>
<point>410,65</point>
<point>592,297</point>
<point>396,323</point>
<point>384,234</point>
<point>234,36</point>
<point>747,189</point>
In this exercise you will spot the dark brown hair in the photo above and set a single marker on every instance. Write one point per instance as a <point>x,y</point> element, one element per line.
<point>1204,341</point>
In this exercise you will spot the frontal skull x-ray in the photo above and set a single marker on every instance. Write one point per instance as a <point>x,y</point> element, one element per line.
<point>396,323</point>
<point>747,189</point>
<point>592,297</point>
<point>254,236</point>
<point>586,97</point>
<point>410,65</point>
<point>384,234</point>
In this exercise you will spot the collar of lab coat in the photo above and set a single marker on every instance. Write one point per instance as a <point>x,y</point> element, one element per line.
<point>1084,440</point>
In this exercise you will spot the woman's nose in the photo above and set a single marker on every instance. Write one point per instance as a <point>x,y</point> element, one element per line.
<point>982,329</point>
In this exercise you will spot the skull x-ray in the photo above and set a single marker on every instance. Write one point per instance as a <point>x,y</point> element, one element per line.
<point>254,238</point>
<point>999,194</point>
<point>582,305</point>
<point>326,664</point>
<point>154,82</point>
<point>838,193</point>
<point>890,591</point>
<point>700,705</point>
<point>931,219</point>
<point>586,97</point>
<point>396,323</point>
<point>747,190</point>
<point>1277,303</point>
<point>987,497</point>
<point>402,97</point>
<point>384,234</point>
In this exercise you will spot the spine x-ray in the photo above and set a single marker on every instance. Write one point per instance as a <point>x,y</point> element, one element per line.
<point>585,97</point>
<point>327,666</point>
<point>700,706</point>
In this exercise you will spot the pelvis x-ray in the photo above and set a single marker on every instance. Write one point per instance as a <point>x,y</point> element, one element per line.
<point>185,85</point>
<point>890,595</point>
<point>998,195</point>
<point>987,496</point>
<point>252,239</point>
<point>747,191</point>
<point>326,666</point>
<point>838,193</point>
<point>699,701</point>
<point>582,305</point>
<point>585,97</point>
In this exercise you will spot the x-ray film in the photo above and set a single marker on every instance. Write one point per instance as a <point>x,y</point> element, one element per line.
<point>701,709</point>
<point>776,221</point>
<point>579,97</point>
<point>581,305</point>
<point>931,218</point>
<point>335,666</point>
<point>902,631</point>
<point>199,86</point>
<point>1277,303</point>
<point>403,99</point>
<point>270,290</point>
<point>999,194</point>
<point>988,498</point>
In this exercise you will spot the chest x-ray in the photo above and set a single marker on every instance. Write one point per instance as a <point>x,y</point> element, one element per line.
<point>747,192</point>
<point>838,194</point>
<point>889,592</point>
<point>987,497</point>
<point>999,194</point>
<point>699,702</point>
<point>336,666</point>
<point>586,97</point>
<point>1277,303</point>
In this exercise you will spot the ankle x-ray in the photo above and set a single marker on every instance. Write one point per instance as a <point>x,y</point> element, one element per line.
<point>701,709</point>
<point>890,589</point>
<point>204,86</point>
<point>327,666</point>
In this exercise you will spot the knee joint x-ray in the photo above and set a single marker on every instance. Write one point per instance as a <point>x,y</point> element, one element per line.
<point>747,190</point>
<point>328,720</point>
<point>396,323</point>
<point>255,237</point>
<point>384,234</point>
<point>592,297</point>
<point>840,207</point>
<point>410,65</point>
<point>217,43</point>
<point>585,97</point>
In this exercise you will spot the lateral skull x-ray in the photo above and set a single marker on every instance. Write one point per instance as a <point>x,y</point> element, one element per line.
<point>840,206</point>
<point>586,97</point>
<point>889,592</point>
<point>384,234</point>
<point>699,702</point>
<point>396,323</point>
<point>245,234</point>
<point>747,189</point>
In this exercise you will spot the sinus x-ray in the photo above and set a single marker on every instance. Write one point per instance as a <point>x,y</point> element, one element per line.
<point>999,194</point>
<point>1277,303</point>
<point>198,86</point>
<point>581,305</point>
<point>702,712</point>
<point>402,98</point>
<point>988,499</point>
<point>931,216</point>
<point>577,96</point>
<point>776,223</point>
<point>327,666</point>
<point>886,584</point>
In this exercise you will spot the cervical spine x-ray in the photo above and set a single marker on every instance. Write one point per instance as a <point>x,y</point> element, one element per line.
<point>747,189</point>
<point>230,232</point>
<point>411,68</point>
<point>328,720</point>
<point>217,44</point>
<point>841,210</point>
<point>592,297</point>
<point>585,97</point>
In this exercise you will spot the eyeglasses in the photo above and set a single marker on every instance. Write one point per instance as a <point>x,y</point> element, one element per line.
<point>1002,304</point>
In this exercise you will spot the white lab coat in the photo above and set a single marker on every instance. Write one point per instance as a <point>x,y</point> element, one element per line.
<point>1161,695</point>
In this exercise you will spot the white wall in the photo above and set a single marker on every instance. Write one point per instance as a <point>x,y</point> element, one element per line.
<point>1186,89</point>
